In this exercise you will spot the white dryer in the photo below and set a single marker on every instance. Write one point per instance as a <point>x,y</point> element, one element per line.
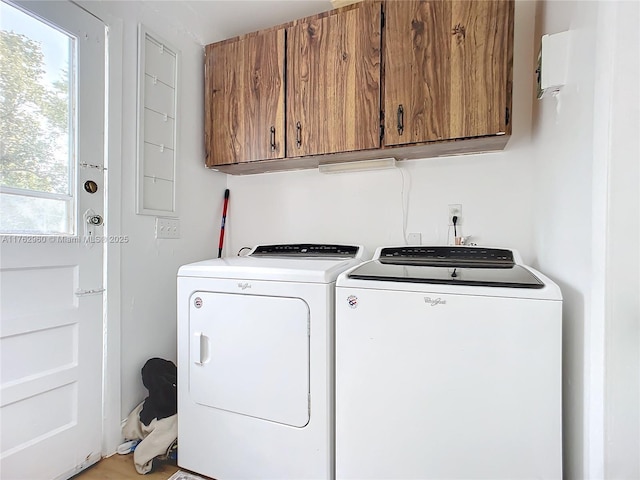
<point>255,362</point>
<point>448,366</point>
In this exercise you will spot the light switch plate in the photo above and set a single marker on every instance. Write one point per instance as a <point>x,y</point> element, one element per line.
<point>167,227</point>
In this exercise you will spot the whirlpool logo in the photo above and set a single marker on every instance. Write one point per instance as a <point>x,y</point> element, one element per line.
<point>352,301</point>
<point>244,285</point>
<point>434,301</point>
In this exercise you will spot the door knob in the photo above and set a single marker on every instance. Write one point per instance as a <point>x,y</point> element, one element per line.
<point>94,220</point>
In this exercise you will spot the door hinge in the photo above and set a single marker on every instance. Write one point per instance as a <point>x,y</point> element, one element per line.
<point>507,116</point>
<point>381,125</point>
<point>85,293</point>
<point>90,165</point>
<point>382,19</point>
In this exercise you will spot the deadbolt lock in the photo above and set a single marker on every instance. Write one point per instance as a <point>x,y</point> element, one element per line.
<point>94,220</point>
<point>90,186</point>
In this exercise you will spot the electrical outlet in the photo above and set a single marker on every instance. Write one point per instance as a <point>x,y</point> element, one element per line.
<point>455,210</point>
<point>414,238</point>
<point>167,227</point>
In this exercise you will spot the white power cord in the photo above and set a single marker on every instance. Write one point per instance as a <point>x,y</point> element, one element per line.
<point>404,201</point>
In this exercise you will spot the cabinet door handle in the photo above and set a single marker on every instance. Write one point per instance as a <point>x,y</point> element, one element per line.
<point>298,134</point>
<point>400,119</point>
<point>272,139</point>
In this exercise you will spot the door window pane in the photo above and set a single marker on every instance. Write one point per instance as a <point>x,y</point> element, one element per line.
<point>37,146</point>
<point>33,215</point>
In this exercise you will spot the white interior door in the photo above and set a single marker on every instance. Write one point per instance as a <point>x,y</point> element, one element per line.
<point>51,258</point>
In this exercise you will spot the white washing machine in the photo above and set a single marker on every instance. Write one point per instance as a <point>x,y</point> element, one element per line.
<point>255,362</point>
<point>448,366</point>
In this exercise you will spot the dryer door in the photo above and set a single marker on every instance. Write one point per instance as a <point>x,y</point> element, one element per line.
<point>249,355</point>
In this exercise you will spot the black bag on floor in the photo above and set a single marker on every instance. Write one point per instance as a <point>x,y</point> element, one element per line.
<point>161,379</point>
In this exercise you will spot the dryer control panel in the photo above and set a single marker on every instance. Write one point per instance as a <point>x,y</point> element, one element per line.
<point>306,250</point>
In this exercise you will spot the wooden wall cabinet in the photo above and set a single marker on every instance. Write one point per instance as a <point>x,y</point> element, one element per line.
<point>244,99</point>
<point>447,69</point>
<point>333,81</point>
<point>394,78</point>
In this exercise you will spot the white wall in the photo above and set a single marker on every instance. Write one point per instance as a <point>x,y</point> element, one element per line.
<point>563,180</point>
<point>369,208</point>
<point>622,341</point>
<point>148,266</point>
<point>586,181</point>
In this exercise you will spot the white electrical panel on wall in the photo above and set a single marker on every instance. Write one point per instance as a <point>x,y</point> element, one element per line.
<point>158,67</point>
<point>553,61</point>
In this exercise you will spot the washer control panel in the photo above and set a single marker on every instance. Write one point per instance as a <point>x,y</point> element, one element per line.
<point>448,256</point>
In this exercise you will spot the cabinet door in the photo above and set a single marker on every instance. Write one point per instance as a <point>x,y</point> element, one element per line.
<point>244,98</point>
<point>333,81</point>
<point>447,69</point>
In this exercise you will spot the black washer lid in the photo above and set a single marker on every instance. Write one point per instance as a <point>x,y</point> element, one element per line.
<point>516,276</point>
<point>448,265</point>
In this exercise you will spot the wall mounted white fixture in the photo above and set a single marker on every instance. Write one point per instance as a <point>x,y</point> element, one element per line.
<point>358,166</point>
<point>552,63</point>
<point>158,72</point>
